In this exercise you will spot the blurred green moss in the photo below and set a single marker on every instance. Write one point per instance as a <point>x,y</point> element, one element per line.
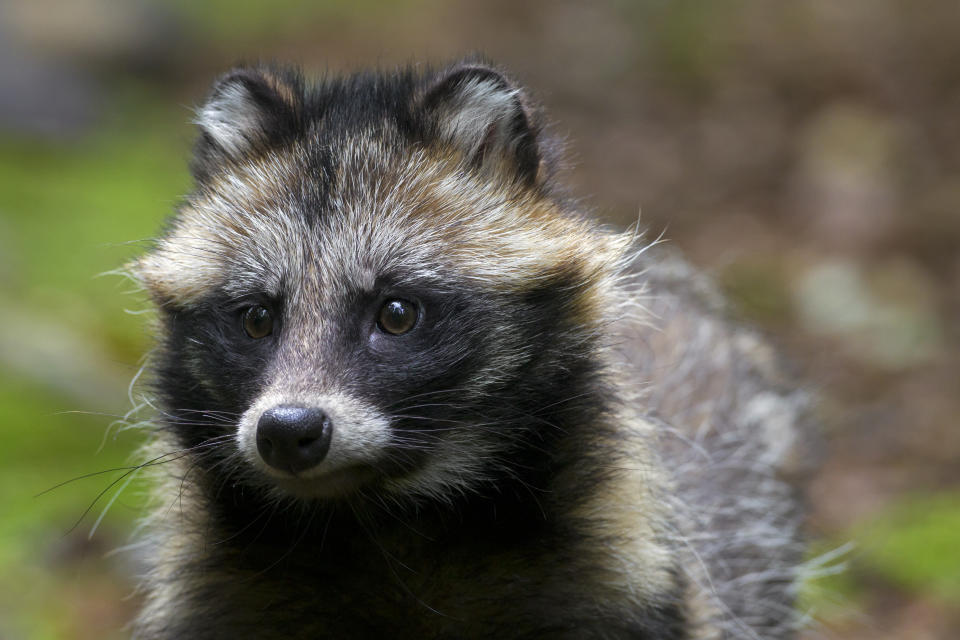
<point>78,209</point>
<point>69,211</point>
<point>914,545</point>
<point>910,546</point>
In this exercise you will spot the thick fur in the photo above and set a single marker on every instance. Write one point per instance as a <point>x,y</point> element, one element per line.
<point>572,441</point>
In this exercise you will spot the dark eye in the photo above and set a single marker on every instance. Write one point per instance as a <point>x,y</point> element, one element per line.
<point>258,322</point>
<point>397,316</point>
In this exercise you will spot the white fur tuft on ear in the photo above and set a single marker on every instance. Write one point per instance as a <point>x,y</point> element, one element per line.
<point>248,109</point>
<point>232,118</point>
<point>479,111</point>
<point>483,111</point>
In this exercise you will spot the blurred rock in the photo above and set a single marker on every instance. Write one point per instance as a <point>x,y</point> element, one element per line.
<point>53,53</point>
<point>43,97</point>
<point>129,34</point>
<point>887,320</point>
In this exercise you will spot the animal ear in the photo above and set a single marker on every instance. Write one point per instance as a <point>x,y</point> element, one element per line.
<point>248,110</point>
<point>477,110</point>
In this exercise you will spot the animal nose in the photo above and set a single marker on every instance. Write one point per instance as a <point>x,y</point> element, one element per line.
<point>293,438</point>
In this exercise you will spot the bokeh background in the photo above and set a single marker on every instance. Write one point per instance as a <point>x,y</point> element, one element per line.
<point>806,154</point>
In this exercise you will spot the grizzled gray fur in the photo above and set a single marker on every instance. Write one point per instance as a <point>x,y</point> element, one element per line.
<point>408,389</point>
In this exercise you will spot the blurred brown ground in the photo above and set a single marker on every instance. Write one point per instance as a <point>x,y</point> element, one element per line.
<point>805,154</point>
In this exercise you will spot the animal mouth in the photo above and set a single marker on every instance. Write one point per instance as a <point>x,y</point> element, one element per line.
<point>334,483</point>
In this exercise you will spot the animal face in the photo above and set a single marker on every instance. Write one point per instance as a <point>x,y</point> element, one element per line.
<point>373,287</point>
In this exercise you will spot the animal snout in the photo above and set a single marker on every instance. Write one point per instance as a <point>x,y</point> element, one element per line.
<point>294,439</point>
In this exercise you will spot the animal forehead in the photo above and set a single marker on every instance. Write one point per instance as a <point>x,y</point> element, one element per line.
<point>372,193</point>
<point>366,211</point>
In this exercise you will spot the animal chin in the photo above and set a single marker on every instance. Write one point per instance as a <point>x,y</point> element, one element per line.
<point>332,484</point>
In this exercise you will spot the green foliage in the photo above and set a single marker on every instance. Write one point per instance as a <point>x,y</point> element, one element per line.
<point>910,545</point>
<point>914,544</point>
<point>68,212</point>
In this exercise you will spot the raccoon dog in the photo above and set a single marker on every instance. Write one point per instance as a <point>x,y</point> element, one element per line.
<point>409,390</point>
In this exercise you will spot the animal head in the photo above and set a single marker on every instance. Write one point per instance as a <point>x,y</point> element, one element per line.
<point>375,284</point>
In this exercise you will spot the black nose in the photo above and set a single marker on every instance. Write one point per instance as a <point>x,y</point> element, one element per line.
<point>293,438</point>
